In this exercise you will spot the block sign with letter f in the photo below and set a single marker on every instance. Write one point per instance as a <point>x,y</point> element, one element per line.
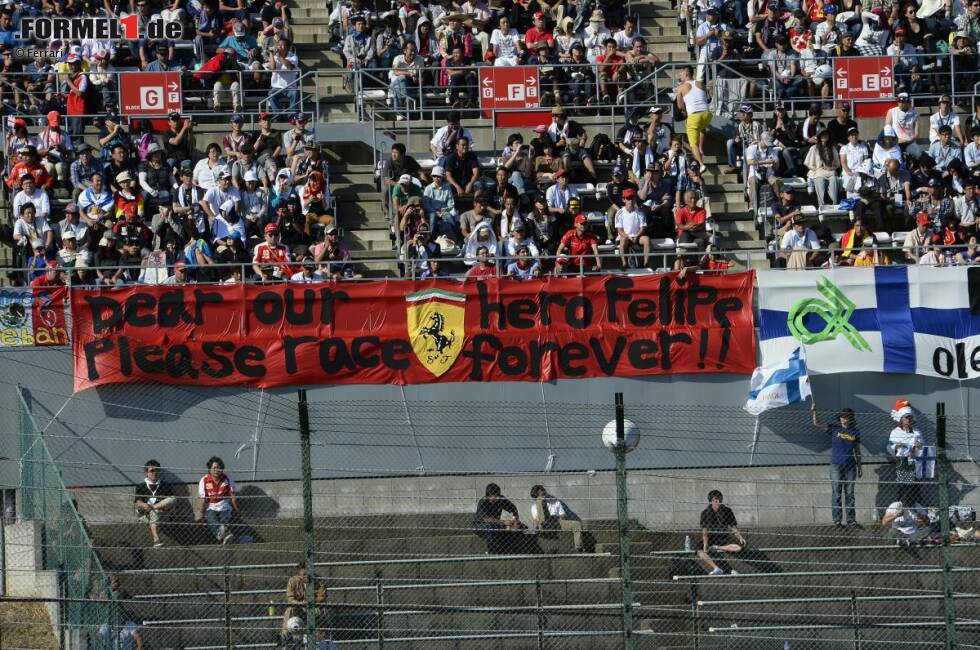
<point>149,93</point>
<point>863,77</point>
<point>514,87</point>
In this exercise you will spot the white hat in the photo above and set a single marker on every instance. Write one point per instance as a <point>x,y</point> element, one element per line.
<point>436,171</point>
<point>227,206</point>
<point>404,178</point>
<point>68,234</point>
<point>250,176</point>
<point>123,176</point>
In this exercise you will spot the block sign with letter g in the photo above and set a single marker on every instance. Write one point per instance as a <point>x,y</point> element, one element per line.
<point>149,93</point>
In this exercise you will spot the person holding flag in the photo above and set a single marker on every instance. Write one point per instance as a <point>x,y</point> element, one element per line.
<point>845,462</point>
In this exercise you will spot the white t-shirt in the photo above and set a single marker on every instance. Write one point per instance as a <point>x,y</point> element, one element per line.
<point>754,154</point>
<point>35,230</point>
<point>793,241</point>
<point>936,120</point>
<point>630,222</point>
<point>854,154</point>
<point>506,43</point>
<point>904,122</point>
<point>299,277</point>
<point>906,523</point>
<point>901,440</point>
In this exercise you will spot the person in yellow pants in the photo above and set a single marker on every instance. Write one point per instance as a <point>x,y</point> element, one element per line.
<point>692,97</point>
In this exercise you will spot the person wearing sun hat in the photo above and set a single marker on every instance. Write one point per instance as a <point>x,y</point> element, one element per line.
<point>904,442</point>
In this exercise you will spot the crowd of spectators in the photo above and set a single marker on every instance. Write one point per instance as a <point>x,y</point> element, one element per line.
<point>152,209</point>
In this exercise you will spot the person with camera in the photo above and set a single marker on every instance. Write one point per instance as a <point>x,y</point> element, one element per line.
<point>517,160</point>
<point>440,206</point>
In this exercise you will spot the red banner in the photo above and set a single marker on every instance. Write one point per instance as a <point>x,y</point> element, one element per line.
<point>400,332</point>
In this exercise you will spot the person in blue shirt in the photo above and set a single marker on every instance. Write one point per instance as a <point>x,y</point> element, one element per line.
<point>243,43</point>
<point>845,461</point>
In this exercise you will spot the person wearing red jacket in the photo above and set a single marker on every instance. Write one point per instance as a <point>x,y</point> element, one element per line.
<point>28,162</point>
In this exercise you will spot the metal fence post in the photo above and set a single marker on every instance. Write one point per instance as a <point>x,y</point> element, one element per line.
<point>228,645</point>
<point>855,620</point>
<point>942,467</point>
<point>381,609</point>
<point>309,535</point>
<point>623,512</point>
<point>541,621</point>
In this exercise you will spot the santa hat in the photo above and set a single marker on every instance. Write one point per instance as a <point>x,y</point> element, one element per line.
<point>902,408</point>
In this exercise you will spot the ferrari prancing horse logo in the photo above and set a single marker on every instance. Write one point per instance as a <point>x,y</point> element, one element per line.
<point>436,322</point>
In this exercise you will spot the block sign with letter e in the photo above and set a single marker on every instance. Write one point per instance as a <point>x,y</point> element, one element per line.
<point>515,87</point>
<point>863,77</point>
<point>149,93</point>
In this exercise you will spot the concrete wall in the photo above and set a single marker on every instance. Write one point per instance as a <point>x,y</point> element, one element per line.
<point>102,436</point>
<point>24,573</point>
<point>659,499</point>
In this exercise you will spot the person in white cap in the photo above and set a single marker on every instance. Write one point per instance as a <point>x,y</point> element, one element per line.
<point>219,194</point>
<point>227,229</point>
<point>885,149</point>
<point>904,119</point>
<point>253,204</point>
<point>439,203</point>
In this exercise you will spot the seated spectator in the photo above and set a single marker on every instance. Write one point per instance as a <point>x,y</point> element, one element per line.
<point>219,501</point>
<point>969,255</point>
<point>295,596</point>
<point>484,268</point>
<point>28,163</point>
<point>854,240</point>
<point>482,236</point>
<point>29,228</point>
<point>444,141</point>
<point>945,116</point>
<point>884,150</point>
<point>517,161</point>
<point>918,239</point>
<point>551,513</point>
<point>658,198</point>
<point>841,125</point>
<point>55,148</point>
<point>799,246</point>
<point>786,210</point>
<point>719,535</point>
<point>405,76</point>
<point>935,254</point>
<point>462,168</point>
<point>761,159</point>
<point>578,81</point>
<point>31,193</point>
<point>747,132</point>
<point>610,68</point>
<point>855,161</point>
<point>784,67</point>
<point>630,223</point>
<point>967,206</point>
<point>490,524</point>
<point>907,521</point>
<point>461,80</point>
<point>690,221</point>
<point>359,46</point>
<point>580,245</point>
<point>388,43</point>
<point>823,162</point>
<point>440,207</point>
<point>908,64</point>
<point>524,267</point>
<point>507,44</point>
<point>153,499</point>
<point>945,151</point>
<point>904,119</point>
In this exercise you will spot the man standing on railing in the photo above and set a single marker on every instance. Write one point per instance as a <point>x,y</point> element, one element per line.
<point>693,98</point>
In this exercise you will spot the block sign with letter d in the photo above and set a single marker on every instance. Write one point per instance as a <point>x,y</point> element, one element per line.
<point>149,93</point>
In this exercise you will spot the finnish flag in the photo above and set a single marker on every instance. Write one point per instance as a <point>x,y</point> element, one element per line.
<point>779,385</point>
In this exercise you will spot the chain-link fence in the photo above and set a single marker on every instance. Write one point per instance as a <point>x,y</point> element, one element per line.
<point>430,560</point>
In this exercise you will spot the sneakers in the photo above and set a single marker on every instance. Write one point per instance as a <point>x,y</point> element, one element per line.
<point>712,548</point>
<point>158,543</point>
<point>716,572</point>
<point>221,532</point>
<point>733,572</point>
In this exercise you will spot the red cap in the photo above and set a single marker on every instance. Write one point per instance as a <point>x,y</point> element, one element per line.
<point>922,219</point>
<point>559,173</point>
<point>54,118</point>
<point>271,228</point>
<point>629,193</point>
<point>538,14</point>
<point>180,265</point>
<point>581,219</point>
<point>899,32</point>
<point>264,115</point>
<point>52,264</point>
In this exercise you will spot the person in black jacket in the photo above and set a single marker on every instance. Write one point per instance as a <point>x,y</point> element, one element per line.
<point>489,523</point>
<point>152,499</point>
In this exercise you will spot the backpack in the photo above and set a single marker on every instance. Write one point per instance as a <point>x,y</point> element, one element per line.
<point>602,147</point>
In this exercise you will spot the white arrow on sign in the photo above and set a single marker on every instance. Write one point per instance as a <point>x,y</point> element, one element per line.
<point>531,81</point>
<point>172,85</point>
<point>886,71</point>
<point>841,71</point>
<point>487,82</point>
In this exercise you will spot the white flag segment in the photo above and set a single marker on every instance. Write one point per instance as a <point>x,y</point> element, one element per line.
<point>779,385</point>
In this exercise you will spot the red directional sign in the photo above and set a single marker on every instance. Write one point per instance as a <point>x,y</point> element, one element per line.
<point>149,93</point>
<point>515,87</point>
<point>863,77</point>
